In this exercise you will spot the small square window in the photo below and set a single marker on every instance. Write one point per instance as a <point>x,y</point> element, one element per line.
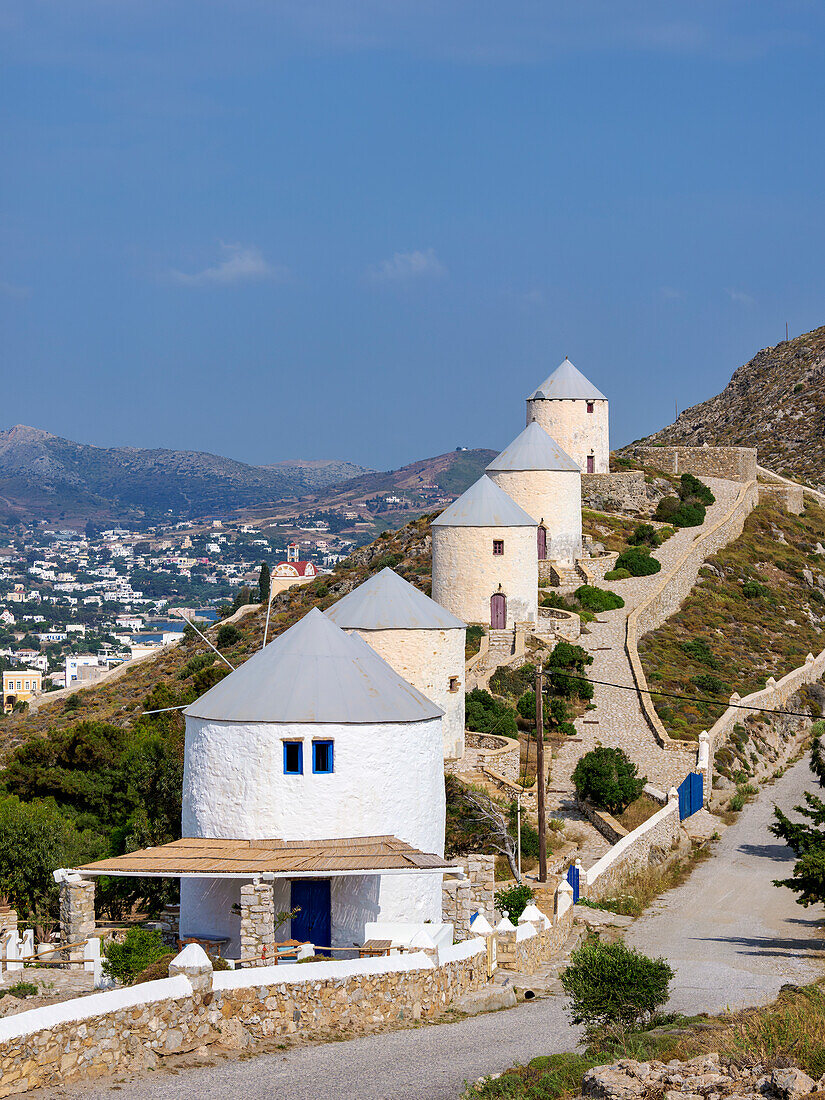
<point>498,547</point>
<point>293,758</point>
<point>590,406</point>
<point>454,683</point>
<point>321,757</point>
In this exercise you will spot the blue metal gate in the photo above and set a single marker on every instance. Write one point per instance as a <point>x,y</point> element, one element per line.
<point>573,879</point>
<point>691,795</point>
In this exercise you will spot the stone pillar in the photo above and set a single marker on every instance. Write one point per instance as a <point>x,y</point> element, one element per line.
<point>257,924</point>
<point>77,913</point>
<point>456,908</point>
<point>481,871</point>
<point>170,925</point>
<point>194,964</point>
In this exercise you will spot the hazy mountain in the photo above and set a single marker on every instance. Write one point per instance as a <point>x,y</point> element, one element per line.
<point>775,403</point>
<point>45,477</point>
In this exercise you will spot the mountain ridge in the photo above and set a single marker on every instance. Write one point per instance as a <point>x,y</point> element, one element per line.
<point>774,402</point>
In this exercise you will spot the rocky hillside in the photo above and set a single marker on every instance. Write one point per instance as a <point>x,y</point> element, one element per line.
<point>776,403</point>
<point>45,477</point>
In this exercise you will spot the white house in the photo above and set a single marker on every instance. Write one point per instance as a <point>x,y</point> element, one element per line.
<point>574,413</point>
<point>315,771</point>
<point>422,641</point>
<point>547,483</point>
<point>485,562</point>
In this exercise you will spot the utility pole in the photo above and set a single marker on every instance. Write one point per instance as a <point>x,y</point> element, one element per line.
<point>518,832</point>
<point>540,774</point>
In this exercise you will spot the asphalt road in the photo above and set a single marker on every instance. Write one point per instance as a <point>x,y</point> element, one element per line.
<point>733,938</point>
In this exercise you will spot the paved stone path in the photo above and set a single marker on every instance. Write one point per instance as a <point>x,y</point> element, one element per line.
<point>618,719</point>
<point>732,937</point>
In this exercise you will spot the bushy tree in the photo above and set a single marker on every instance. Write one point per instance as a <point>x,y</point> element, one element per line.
<point>597,599</point>
<point>806,838</point>
<point>513,901</point>
<point>608,778</point>
<point>612,988</point>
<point>139,949</point>
<point>228,635</point>
<point>644,534</point>
<point>565,668</point>
<point>484,714</point>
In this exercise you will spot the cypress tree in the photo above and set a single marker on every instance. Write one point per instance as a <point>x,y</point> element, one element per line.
<point>264,582</point>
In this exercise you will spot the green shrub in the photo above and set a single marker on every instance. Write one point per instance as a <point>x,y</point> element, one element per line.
<point>140,948</point>
<point>526,706</point>
<point>691,488</point>
<point>751,590</point>
<point>700,651</point>
<point>529,834</point>
<point>20,989</point>
<point>597,599</point>
<point>484,714</point>
<point>207,678</point>
<point>709,684</point>
<point>473,641</point>
<point>513,681</point>
<point>513,901</point>
<point>228,635</point>
<point>644,535</point>
<point>553,599</point>
<point>608,778</point>
<point>569,658</point>
<point>617,574</point>
<point>195,664</point>
<point>680,513</point>
<point>614,989</point>
<point>638,562</point>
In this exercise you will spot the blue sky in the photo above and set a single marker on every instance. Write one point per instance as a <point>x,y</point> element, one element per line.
<point>366,230</point>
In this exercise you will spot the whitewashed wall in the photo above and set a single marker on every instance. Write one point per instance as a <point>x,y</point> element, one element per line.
<point>428,659</point>
<point>466,573</point>
<point>554,498</point>
<point>576,431</point>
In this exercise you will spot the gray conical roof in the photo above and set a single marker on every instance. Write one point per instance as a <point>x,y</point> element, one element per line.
<point>484,505</point>
<point>533,449</point>
<point>314,672</point>
<point>566,383</point>
<point>388,602</point>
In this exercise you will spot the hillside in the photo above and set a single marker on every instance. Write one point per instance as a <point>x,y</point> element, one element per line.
<point>45,477</point>
<point>775,403</point>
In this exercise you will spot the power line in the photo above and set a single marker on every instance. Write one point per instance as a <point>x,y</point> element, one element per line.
<point>686,698</point>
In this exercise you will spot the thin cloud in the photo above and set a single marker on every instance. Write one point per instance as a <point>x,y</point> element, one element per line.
<point>739,296</point>
<point>238,264</point>
<point>671,293</point>
<point>404,266</point>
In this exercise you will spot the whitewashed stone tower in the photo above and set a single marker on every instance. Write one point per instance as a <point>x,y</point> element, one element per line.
<point>382,772</point>
<point>421,640</point>
<point>574,413</point>
<point>485,566</point>
<point>547,483</point>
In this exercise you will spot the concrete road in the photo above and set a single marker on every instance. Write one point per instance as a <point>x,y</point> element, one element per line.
<point>733,938</point>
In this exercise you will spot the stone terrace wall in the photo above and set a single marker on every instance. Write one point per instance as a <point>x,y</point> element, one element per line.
<point>652,842</point>
<point>775,694</point>
<point>731,463</point>
<point>669,593</point>
<point>791,498</point>
<point>487,750</point>
<point>620,492</point>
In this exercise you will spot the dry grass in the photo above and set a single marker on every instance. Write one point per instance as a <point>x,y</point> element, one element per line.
<point>640,888</point>
<point>638,812</point>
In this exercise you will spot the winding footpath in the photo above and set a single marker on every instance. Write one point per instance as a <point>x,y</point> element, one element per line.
<point>732,937</point>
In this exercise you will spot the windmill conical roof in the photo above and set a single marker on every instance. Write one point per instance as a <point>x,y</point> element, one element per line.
<point>484,505</point>
<point>567,382</point>
<point>314,672</point>
<point>388,602</point>
<point>533,449</point>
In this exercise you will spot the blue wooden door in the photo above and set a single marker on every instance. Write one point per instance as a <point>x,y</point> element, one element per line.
<point>314,921</point>
<point>691,795</point>
<point>573,876</point>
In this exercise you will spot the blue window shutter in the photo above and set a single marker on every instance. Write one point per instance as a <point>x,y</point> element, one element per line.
<point>293,758</point>
<point>322,757</point>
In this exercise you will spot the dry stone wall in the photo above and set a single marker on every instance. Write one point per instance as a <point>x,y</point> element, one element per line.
<point>489,751</point>
<point>619,492</point>
<point>731,463</point>
<point>651,843</point>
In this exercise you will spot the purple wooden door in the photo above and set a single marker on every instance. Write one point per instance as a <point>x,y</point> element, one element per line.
<point>498,611</point>
<point>542,538</point>
<point>591,464</point>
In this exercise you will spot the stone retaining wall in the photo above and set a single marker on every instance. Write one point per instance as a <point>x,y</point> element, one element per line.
<point>668,595</point>
<point>790,498</point>
<point>606,824</point>
<point>490,751</point>
<point>132,1029</point>
<point>650,844</point>
<point>620,492</point>
<point>731,463</point>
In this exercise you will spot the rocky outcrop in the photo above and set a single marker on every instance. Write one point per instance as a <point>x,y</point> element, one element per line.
<point>706,1078</point>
